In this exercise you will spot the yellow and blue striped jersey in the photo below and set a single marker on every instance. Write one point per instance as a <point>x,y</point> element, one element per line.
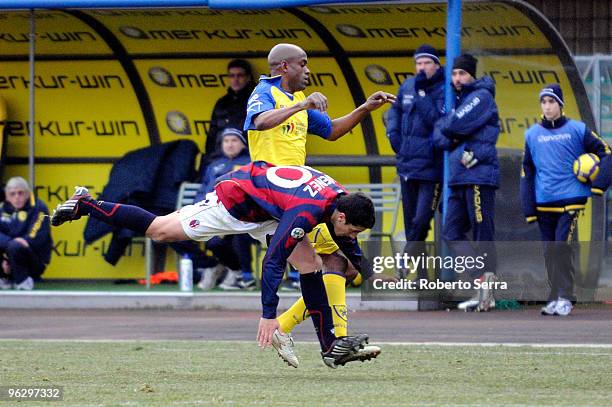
<point>284,144</point>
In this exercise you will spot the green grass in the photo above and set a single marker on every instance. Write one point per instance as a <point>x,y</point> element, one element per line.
<point>239,374</point>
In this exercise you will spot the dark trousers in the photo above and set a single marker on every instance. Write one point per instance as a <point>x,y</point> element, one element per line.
<point>558,231</point>
<point>472,207</point>
<point>24,262</point>
<point>419,201</point>
<point>233,251</point>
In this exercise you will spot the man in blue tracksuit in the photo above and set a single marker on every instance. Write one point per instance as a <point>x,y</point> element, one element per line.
<point>553,196</point>
<point>410,122</point>
<point>470,134</point>
<point>25,236</point>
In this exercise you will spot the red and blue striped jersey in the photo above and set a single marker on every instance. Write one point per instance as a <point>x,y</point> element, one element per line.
<point>298,197</point>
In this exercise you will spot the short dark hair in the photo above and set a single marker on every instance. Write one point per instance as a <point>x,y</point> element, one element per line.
<point>241,63</point>
<point>358,209</point>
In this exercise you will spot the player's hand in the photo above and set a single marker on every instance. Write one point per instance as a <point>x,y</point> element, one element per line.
<point>377,99</point>
<point>315,101</point>
<point>6,268</point>
<point>265,331</point>
<point>22,241</point>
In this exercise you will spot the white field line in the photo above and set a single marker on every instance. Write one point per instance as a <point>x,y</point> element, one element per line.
<point>446,344</point>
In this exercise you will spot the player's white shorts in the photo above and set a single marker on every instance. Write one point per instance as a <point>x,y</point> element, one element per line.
<point>208,218</point>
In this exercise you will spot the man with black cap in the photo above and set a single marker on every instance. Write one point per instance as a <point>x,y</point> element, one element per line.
<point>553,196</point>
<point>470,134</point>
<point>410,123</point>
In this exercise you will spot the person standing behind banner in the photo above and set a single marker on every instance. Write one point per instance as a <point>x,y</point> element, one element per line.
<point>470,134</point>
<point>230,109</point>
<point>25,236</point>
<point>410,123</point>
<point>553,196</point>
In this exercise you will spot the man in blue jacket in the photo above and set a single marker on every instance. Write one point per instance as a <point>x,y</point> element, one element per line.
<point>25,236</point>
<point>233,251</point>
<point>470,134</point>
<point>553,196</point>
<point>410,123</point>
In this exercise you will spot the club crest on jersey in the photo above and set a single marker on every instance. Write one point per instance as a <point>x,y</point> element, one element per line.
<point>297,233</point>
<point>288,128</point>
<point>194,223</point>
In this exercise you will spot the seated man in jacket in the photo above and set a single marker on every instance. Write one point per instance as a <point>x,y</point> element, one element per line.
<point>25,236</point>
<point>233,251</point>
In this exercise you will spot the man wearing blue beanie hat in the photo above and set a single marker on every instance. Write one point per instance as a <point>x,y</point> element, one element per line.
<point>555,92</point>
<point>553,196</point>
<point>410,122</point>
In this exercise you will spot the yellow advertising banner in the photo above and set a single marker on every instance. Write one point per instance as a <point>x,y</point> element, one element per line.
<point>95,92</point>
<point>391,27</point>
<point>84,109</point>
<point>57,33</point>
<point>518,81</point>
<point>184,95</point>
<point>204,30</point>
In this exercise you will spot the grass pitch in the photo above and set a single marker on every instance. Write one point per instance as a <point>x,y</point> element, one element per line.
<point>189,373</point>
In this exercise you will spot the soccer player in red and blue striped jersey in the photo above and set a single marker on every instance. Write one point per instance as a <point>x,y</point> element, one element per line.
<point>263,200</point>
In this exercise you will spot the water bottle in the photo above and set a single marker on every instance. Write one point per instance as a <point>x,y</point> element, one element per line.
<point>186,276</point>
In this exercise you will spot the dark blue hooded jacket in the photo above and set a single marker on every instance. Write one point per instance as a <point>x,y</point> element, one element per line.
<point>472,126</point>
<point>30,223</point>
<point>410,122</point>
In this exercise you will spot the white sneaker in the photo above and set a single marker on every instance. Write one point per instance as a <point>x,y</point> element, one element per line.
<point>25,285</point>
<point>5,284</point>
<point>549,309</point>
<point>563,308</point>
<point>209,278</point>
<point>283,343</point>
<point>231,280</point>
<point>469,305</point>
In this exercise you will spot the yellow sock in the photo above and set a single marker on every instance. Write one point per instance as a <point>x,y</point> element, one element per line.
<point>335,286</point>
<point>293,316</point>
<point>357,281</point>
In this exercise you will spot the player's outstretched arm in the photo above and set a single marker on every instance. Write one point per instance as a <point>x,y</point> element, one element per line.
<point>274,117</point>
<point>344,124</point>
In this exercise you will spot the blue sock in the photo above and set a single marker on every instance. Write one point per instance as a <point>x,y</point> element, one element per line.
<point>315,298</point>
<point>247,276</point>
<point>293,274</point>
<point>125,216</point>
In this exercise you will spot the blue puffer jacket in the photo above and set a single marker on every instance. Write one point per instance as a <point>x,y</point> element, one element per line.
<point>221,166</point>
<point>410,123</point>
<point>30,223</point>
<point>472,126</point>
